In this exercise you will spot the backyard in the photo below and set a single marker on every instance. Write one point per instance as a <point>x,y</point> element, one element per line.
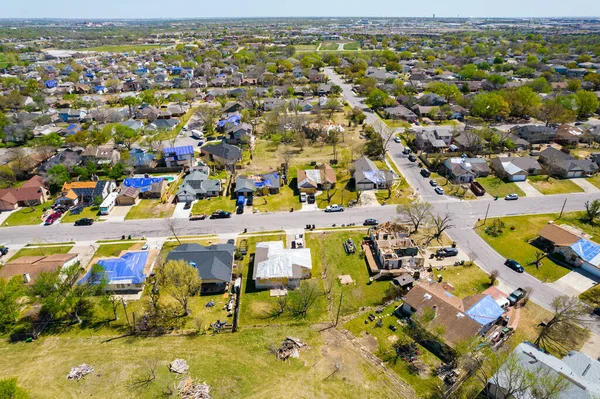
<point>27,216</point>
<point>124,48</point>
<point>554,186</point>
<point>495,186</point>
<point>150,209</point>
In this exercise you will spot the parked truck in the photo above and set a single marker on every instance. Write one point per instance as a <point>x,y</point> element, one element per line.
<point>477,188</point>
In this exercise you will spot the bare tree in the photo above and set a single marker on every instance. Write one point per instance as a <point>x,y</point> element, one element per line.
<point>441,223</point>
<point>175,227</point>
<point>304,299</point>
<point>415,212</point>
<point>552,166</point>
<point>494,276</point>
<point>561,330</point>
<point>538,259</point>
<point>146,375</point>
<point>528,292</point>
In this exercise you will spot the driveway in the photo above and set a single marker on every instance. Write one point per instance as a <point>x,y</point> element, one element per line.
<point>586,185</point>
<point>4,215</point>
<point>181,213</point>
<point>368,198</point>
<point>528,189</point>
<point>575,282</point>
<point>592,346</point>
<point>117,214</point>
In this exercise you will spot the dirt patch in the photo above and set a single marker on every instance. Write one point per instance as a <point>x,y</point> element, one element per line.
<point>393,338</point>
<point>369,342</point>
<point>368,198</point>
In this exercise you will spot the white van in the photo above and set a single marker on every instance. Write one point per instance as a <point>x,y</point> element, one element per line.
<point>197,134</point>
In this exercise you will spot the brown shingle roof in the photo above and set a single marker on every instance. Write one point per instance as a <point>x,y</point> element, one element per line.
<point>558,235</point>
<point>34,265</point>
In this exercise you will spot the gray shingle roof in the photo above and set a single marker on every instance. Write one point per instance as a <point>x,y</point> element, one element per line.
<point>214,262</point>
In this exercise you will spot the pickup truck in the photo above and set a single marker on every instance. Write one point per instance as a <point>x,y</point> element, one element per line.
<point>334,208</point>
<point>516,296</point>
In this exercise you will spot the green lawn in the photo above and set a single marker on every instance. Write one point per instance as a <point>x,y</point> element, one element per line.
<point>256,304</point>
<point>466,280</point>
<point>305,47</point>
<point>591,296</point>
<point>90,212</point>
<point>27,216</point>
<point>595,180</point>
<point>340,194</point>
<point>554,186</point>
<point>495,186</point>
<point>42,251</point>
<point>329,46</point>
<point>170,245</point>
<point>283,201</point>
<point>514,244</point>
<point>3,61</point>
<point>352,46</point>
<point>112,250</point>
<point>424,383</point>
<point>125,48</point>
<point>210,205</point>
<point>150,209</point>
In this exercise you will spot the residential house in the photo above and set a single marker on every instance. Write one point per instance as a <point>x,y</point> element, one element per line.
<point>84,192</point>
<point>433,141</point>
<point>561,164</point>
<point>30,267</point>
<point>574,246</point>
<point>214,264</point>
<point>32,192</point>
<point>69,157</point>
<point>179,156</point>
<point>163,124</point>
<point>367,175</point>
<point>237,134</point>
<point>71,115</point>
<point>270,104</point>
<point>275,266</point>
<point>100,155</point>
<point>139,158</point>
<point>149,187</point>
<point>391,252</point>
<point>260,184</point>
<point>515,168</point>
<point>311,180</point>
<point>197,185</point>
<point>128,196</point>
<point>223,152</point>
<point>125,274</point>
<point>456,320</point>
<point>535,134</point>
<point>577,375</point>
<point>465,170</point>
<point>469,142</point>
<point>400,112</point>
<point>567,134</point>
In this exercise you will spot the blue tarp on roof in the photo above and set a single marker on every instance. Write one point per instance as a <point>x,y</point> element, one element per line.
<point>130,266</point>
<point>485,311</point>
<point>269,180</point>
<point>99,88</point>
<point>588,251</point>
<point>183,150</point>
<point>72,129</point>
<point>235,119</point>
<point>51,83</point>
<point>142,158</point>
<point>143,183</point>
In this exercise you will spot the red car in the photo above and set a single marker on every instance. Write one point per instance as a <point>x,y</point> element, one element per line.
<point>52,218</point>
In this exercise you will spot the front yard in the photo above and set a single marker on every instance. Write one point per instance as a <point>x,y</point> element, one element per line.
<point>513,243</point>
<point>595,180</point>
<point>27,216</point>
<point>150,209</point>
<point>42,251</point>
<point>113,250</point>
<point>554,186</point>
<point>210,205</point>
<point>466,280</point>
<point>90,212</point>
<point>495,186</point>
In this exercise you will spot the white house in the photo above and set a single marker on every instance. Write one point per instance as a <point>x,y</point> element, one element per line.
<point>276,266</point>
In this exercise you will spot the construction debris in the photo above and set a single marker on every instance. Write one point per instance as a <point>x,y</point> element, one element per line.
<point>290,347</point>
<point>179,366</point>
<point>78,372</point>
<point>190,389</point>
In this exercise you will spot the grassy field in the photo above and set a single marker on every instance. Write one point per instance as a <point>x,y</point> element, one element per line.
<point>150,209</point>
<point>113,250</point>
<point>27,216</point>
<point>554,186</point>
<point>229,363</point>
<point>256,304</point>
<point>283,201</point>
<point>42,251</point>
<point>305,47</point>
<point>330,259</point>
<point>495,186</point>
<point>466,280</point>
<point>210,205</point>
<point>514,244</point>
<point>90,212</point>
<point>352,46</point>
<point>329,46</point>
<point>123,48</point>
<point>423,383</point>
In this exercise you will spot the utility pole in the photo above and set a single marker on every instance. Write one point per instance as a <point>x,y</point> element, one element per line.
<point>562,209</point>
<point>486,213</point>
<point>337,317</point>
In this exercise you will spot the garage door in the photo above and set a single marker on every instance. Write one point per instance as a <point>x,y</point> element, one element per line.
<point>592,269</point>
<point>519,178</point>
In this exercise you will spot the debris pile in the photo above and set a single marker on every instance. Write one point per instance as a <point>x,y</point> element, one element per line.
<point>179,366</point>
<point>290,347</point>
<point>407,351</point>
<point>78,372</point>
<point>190,389</point>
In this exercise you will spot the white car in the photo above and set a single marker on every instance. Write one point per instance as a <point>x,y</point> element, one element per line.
<point>511,197</point>
<point>302,197</point>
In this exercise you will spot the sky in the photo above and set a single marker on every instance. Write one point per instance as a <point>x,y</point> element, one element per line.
<point>288,8</point>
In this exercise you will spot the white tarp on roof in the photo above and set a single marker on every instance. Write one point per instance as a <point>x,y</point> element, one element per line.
<point>281,261</point>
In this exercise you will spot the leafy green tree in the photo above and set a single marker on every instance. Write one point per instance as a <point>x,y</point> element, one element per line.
<point>180,281</point>
<point>7,176</point>
<point>117,171</point>
<point>10,390</point>
<point>523,101</point>
<point>130,102</point>
<point>375,146</point>
<point>496,80</point>
<point>448,91</point>
<point>58,175</point>
<point>126,135</point>
<point>489,105</point>
<point>540,85</point>
<point>553,111</point>
<point>587,103</point>
<point>573,85</point>
<point>379,99</point>
<point>10,292</point>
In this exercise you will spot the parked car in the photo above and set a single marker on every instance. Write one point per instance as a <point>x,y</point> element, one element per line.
<point>406,151</point>
<point>220,215</point>
<point>446,252</point>
<point>187,205</point>
<point>412,158</point>
<point>511,197</point>
<point>425,173</point>
<point>370,222</point>
<point>145,247</point>
<point>516,296</point>
<point>52,218</point>
<point>513,264</point>
<point>397,139</point>
<point>3,251</point>
<point>302,197</point>
<point>84,222</point>
<point>439,190</point>
<point>596,311</point>
<point>334,208</point>
<point>311,199</point>
<point>433,183</point>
